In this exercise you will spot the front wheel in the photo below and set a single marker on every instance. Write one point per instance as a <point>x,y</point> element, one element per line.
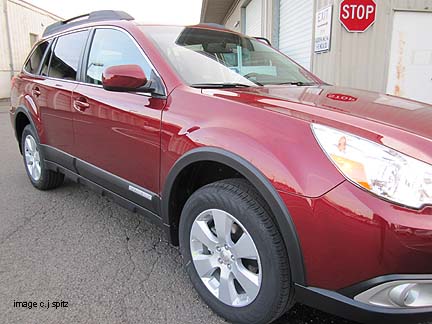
<point>234,253</point>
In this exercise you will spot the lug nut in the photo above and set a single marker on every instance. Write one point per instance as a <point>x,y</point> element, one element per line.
<point>218,248</point>
<point>220,260</point>
<point>229,266</point>
<point>226,247</point>
<point>232,257</point>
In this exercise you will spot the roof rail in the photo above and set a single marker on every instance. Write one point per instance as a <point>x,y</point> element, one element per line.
<point>211,25</point>
<point>94,16</point>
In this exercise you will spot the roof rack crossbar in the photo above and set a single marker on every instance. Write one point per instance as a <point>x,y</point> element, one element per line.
<point>101,15</point>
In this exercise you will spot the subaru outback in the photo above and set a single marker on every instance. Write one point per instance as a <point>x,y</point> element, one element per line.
<point>278,187</point>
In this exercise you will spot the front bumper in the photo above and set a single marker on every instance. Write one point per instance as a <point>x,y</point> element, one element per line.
<point>349,236</point>
<point>338,303</point>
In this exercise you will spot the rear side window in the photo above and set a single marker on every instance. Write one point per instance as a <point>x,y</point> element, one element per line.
<point>66,55</point>
<point>112,47</point>
<point>34,61</point>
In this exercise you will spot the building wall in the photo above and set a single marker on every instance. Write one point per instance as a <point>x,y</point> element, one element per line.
<point>360,60</point>
<point>296,29</point>
<point>357,60</point>
<point>4,56</point>
<point>237,14</point>
<point>24,19</point>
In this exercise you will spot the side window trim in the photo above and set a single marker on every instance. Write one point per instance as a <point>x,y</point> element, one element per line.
<point>82,64</point>
<point>52,46</point>
<point>85,56</point>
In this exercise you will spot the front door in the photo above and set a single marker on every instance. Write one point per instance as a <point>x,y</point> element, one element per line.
<point>117,134</point>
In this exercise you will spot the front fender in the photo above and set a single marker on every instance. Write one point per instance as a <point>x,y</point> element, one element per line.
<point>260,182</point>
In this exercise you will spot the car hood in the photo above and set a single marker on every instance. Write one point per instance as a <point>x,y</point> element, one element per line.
<point>304,102</point>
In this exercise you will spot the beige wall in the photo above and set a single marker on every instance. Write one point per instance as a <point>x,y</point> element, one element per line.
<point>360,60</point>
<point>4,57</point>
<point>23,20</point>
<point>236,15</point>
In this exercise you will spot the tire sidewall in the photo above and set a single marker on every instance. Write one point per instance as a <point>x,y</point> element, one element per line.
<point>271,272</point>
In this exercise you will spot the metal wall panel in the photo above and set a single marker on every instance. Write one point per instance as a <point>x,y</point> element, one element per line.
<point>410,66</point>
<point>295,30</point>
<point>254,18</point>
<point>360,60</point>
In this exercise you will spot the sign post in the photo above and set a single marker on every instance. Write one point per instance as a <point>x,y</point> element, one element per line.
<point>357,15</point>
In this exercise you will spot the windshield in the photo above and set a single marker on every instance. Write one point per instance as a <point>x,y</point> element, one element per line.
<point>213,57</point>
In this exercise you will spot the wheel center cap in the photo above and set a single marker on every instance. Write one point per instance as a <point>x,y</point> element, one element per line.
<point>226,257</point>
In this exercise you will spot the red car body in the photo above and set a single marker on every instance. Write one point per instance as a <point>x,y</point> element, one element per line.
<point>346,237</point>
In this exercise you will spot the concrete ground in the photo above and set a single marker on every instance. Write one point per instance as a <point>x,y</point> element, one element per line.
<point>108,264</point>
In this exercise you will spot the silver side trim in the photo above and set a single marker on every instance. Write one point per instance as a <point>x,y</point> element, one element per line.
<point>140,192</point>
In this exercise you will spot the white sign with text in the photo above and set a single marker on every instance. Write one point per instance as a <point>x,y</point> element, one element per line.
<point>323,24</point>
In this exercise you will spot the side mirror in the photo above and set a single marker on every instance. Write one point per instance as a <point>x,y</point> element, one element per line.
<point>124,78</point>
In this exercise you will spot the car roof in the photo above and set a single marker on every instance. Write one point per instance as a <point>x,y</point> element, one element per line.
<point>111,17</point>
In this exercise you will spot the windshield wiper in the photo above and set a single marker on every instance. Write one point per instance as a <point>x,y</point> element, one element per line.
<point>297,83</point>
<point>220,85</point>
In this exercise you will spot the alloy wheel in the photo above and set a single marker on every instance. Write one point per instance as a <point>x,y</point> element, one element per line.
<point>225,257</point>
<point>32,158</point>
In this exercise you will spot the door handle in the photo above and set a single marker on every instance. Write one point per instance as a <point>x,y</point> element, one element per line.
<point>36,92</point>
<point>81,104</point>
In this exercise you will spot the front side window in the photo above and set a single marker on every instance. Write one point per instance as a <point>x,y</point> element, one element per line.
<point>34,61</point>
<point>112,47</point>
<point>66,55</point>
<point>207,56</point>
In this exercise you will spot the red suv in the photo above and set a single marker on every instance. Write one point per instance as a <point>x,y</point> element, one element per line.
<point>278,187</point>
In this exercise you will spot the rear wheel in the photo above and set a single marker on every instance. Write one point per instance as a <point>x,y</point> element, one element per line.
<point>234,253</point>
<point>34,162</point>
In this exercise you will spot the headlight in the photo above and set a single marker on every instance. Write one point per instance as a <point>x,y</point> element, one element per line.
<point>377,168</point>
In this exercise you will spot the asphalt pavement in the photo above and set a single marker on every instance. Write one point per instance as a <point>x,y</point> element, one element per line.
<point>89,259</point>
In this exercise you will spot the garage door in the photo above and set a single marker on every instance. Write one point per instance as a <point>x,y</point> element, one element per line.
<point>295,30</point>
<point>410,67</point>
<point>253,18</point>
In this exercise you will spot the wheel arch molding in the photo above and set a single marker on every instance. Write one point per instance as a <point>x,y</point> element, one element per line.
<point>261,183</point>
<point>23,110</point>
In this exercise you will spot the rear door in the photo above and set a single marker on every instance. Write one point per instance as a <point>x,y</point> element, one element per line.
<point>118,133</point>
<point>29,81</point>
<point>59,73</point>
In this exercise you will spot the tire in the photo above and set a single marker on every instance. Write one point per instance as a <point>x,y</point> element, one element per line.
<point>34,162</point>
<point>237,201</point>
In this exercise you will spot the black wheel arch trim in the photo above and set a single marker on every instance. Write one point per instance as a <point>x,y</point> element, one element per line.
<point>259,181</point>
<point>24,110</point>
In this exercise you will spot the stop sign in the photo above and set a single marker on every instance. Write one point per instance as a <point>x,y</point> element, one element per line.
<point>357,15</point>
